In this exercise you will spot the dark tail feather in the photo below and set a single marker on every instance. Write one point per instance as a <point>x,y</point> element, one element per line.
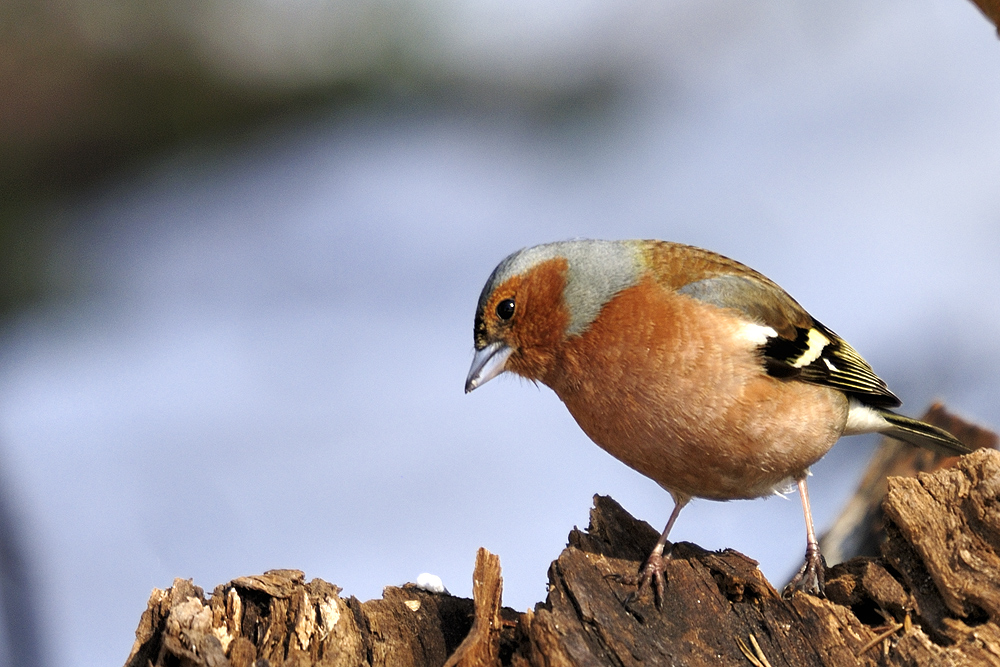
<point>923,435</point>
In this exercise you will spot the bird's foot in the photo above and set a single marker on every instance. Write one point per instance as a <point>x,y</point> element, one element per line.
<point>651,575</point>
<point>811,578</point>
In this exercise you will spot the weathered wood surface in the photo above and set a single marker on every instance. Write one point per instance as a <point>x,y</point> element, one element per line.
<point>482,645</point>
<point>858,530</point>
<point>277,618</point>
<point>933,599</point>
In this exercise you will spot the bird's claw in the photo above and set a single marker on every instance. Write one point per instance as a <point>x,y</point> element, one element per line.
<point>651,575</point>
<point>811,577</point>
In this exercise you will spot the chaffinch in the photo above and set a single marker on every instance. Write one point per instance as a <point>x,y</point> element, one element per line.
<point>687,366</point>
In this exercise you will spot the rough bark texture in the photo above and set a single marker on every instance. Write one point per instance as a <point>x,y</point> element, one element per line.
<point>859,530</point>
<point>482,645</point>
<point>932,599</point>
<point>277,618</point>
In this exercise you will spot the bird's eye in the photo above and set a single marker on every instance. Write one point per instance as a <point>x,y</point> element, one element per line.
<point>505,309</point>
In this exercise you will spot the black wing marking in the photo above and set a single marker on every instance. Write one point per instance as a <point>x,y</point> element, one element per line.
<point>819,356</point>
<point>801,348</point>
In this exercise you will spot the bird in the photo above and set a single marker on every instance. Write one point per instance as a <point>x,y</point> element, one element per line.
<point>689,367</point>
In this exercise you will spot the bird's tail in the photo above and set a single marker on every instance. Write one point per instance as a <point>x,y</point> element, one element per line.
<point>924,435</point>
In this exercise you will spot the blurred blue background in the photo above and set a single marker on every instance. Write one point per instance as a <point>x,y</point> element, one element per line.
<point>244,243</point>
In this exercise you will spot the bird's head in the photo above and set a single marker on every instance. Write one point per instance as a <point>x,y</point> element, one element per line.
<point>539,297</point>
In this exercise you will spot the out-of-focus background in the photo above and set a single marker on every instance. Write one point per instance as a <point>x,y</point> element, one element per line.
<point>241,244</point>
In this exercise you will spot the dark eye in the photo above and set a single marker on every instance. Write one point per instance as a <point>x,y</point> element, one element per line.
<point>505,309</point>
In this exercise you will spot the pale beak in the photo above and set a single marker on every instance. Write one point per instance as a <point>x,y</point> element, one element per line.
<point>487,364</point>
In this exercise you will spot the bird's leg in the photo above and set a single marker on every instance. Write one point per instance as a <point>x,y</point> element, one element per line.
<point>651,574</point>
<point>810,579</point>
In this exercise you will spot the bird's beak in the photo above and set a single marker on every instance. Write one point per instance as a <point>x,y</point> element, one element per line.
<point>487,364</point>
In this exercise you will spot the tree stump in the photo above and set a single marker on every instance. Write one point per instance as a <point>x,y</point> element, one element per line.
<point>859,530</point>
<point>932,598</point>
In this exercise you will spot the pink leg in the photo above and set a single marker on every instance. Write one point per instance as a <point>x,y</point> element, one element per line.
<point>810,579</point>
<point>652,573</point>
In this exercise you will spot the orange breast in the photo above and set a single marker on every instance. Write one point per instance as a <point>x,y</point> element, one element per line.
<point>670,386</point>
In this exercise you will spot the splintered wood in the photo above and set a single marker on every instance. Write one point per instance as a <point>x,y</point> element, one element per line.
<point>482,646</point>
<point>931,598</point>
<point>279,619</point>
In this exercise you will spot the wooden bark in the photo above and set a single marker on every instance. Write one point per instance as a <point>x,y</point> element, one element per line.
<point>991,9</point>
<point>859,530</point>
<point>931,598</point>
<point>482,645</point>
<point>277,618</point>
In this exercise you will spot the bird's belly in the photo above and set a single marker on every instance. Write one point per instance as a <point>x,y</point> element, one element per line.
<point>691,406</point>
<point>707,447</point>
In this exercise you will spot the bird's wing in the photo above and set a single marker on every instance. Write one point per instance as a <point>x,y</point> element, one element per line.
<point>802,348</point>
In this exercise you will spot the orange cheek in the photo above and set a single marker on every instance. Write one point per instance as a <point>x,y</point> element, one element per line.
<point>538,329</point>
